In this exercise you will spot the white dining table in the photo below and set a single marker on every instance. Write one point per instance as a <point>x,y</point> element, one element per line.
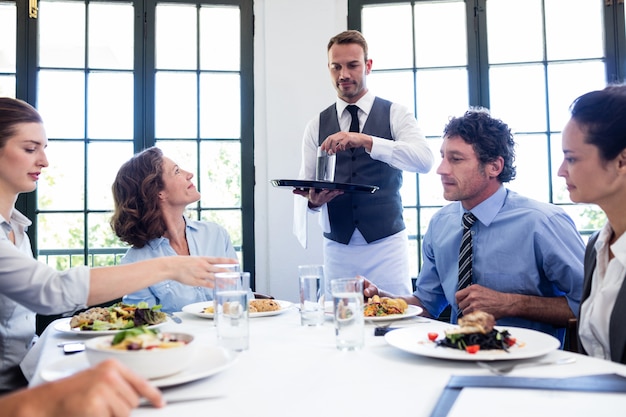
<point>290,370</point>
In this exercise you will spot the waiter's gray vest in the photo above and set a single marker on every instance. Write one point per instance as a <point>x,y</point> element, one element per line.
<point>376,215</point>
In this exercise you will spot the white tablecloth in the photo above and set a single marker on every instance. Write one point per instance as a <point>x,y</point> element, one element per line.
<point>291,370</point>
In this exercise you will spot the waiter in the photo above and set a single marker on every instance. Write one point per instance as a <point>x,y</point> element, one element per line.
<point>374,141</point>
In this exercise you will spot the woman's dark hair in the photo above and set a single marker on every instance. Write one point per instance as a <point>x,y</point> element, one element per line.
<point>137,217</point>
<point>12,113</point>
<point>602,116</point>
<point>489,137</point>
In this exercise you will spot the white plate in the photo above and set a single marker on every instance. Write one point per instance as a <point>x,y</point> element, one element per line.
<point>197,309</point>
<point>411,311</point>
<point>209,361</point>
<point>63,326</point>
<point>530,343</point>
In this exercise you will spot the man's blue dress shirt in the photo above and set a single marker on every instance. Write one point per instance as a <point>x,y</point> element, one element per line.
<point>520,246</point>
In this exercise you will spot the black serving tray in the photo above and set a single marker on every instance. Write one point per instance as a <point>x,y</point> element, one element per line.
<point>325,185</point>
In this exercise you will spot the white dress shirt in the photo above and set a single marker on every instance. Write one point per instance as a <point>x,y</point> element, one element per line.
<point>595,313</point>
<point>28,286</point>
<point>408,152</point>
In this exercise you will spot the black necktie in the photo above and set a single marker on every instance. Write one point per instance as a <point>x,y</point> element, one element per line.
<point>354,112</point>
<point>465,252</point>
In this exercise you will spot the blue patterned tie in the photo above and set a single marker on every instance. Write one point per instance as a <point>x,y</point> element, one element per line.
<point>465,253</point>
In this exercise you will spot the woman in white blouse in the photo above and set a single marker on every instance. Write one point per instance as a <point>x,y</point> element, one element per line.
<point>594,168</point>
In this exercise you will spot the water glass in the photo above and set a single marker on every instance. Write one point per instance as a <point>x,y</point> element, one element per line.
<point>325,167</point>
<point>229,267</point>
<point>311,294</point>
<point>231,309</point>
<point>347,296</point>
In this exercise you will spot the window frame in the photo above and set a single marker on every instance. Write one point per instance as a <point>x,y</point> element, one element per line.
<point>144,93</point>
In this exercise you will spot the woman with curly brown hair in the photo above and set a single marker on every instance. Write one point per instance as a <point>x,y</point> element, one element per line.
<point>151,193</point>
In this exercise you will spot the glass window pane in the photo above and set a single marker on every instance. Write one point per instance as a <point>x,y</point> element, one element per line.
<point>396,86</point>
<point>566,82</point>
<point>61,102</point>
<point>559,189</point>
<point>176,105</point>
<point>431,191</point>
<point>574,28</point>
<point>384,26</point>
<point>110,114</point>
<point>587,217</point>
<point>220,106</point>
<point>108,48</point>
<point>61,187</point>
<point>61,34</point>
<point>184,153</point>
<point>228,219</point>
<point>7,86</point>
<point>220,173</point>
<point>440,94</point>
<point>515,31</point>
<point>219,38</point>
<point>408,192</point>
<point>176,32</point>
<point>104,160</point>
<point>8,20</point>
<point>101,235</point>
<point>60,231</point>
<point>410,219</point>
<point>521,105</point>
<point>451,37</point>
<point>531,160</point>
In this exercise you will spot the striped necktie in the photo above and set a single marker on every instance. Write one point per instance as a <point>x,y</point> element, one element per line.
<point>465,253</point>
<point>354,112</point>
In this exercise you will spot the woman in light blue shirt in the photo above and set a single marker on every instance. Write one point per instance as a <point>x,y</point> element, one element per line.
<point>151,194</point>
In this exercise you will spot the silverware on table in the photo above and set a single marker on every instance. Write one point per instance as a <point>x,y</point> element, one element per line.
<point>181,399</point>
<point>503,370</point>
<point>174,318</point>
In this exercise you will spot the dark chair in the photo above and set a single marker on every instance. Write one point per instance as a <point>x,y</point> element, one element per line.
<point>571,336</point>
<point>258,295</point>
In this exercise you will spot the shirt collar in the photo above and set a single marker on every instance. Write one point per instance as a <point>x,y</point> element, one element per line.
<point>618,248</point>
<point>155,243</point>
<point>18,222</point>
<point>365,103</point>
<point>488,209</point>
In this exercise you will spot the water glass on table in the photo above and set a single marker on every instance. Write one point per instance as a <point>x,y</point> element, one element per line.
<point>347,296</point>
<point>311,294</point>
<point>231,294</point>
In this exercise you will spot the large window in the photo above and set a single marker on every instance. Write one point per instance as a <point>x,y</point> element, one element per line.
<point>113,77</point>
<point>525,60</point>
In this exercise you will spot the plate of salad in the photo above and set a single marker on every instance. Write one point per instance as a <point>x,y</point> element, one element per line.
<point>112,319</point>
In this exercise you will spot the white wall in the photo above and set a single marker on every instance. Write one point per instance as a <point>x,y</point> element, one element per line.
<point>292,85</point>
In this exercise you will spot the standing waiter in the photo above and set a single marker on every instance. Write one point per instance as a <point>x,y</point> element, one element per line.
<point>374,141</point>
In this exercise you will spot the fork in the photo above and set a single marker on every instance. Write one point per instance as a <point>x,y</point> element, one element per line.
<point>508,368</point>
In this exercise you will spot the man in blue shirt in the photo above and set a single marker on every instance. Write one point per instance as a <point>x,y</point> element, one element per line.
<point>527,266</point>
